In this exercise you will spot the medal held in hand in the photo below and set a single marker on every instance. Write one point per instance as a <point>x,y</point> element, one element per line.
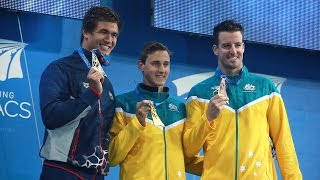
<point>156,120</point>
<point>223,88</point>
<point>96,63</point>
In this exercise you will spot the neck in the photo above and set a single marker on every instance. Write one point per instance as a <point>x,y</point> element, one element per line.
<point>158,89</point>
<point>231,72</point>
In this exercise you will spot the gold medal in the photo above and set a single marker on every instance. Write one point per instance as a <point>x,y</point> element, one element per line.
<point>156,120</point>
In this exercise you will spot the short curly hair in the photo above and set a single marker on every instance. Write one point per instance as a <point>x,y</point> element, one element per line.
<point>98,14</point>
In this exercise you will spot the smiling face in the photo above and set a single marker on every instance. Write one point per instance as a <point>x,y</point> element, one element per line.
<point>156,68</point>
<point>230,51</point>
<point>103,37</point>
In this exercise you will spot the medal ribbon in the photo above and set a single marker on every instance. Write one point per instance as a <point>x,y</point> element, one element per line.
<point>155,117</point>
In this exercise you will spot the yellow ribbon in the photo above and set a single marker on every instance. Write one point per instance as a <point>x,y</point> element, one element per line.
<point>156,120</point>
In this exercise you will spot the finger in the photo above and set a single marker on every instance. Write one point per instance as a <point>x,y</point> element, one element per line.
<point>219,96</point>
<point>97,76</point>
<point>93,73</point>
<point>219,101</point>
<point>147,103</point>
<point>101,78</point>
<point>139,105</point>
<point>143,106</point>
<point>93,70</point>
<point>223,89</point>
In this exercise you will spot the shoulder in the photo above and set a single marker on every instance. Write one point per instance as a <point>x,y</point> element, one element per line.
<point>204,86</point>
<point>126,98</point>
<point>65,62</point>
<point>127,102</point>
<point>262,81</point>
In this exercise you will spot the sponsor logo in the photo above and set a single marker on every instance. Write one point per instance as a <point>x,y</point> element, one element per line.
<point>12,108</point>
<point>249,87</point>
<point>173,107</point>
<point>86,85</point>
<point>12,102</point>
<point>10,66</point>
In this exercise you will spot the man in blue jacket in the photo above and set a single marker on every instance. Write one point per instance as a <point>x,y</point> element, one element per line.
<point>77,103</point>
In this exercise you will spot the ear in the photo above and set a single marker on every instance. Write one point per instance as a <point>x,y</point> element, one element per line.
<point>85,33</point>
<point>215,49</point>
<point>140,65</point>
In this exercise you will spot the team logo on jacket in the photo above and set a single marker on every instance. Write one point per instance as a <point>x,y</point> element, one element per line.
<point>249,87</point>
<point>173,107</point>
<point>86,85</point>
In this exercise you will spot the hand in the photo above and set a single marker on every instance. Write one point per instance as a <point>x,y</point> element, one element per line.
<point>142,110</point>
<point>217,103</point>
<point>95,78</point>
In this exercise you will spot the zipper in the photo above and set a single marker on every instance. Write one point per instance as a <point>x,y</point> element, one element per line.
<point>237,145</point>
<point>103,163</point>
<point>234,90</point>
<point>165,154</point>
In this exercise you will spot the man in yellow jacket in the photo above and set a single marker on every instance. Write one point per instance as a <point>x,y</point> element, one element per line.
<point>146,136</point>
<point>234,114</point>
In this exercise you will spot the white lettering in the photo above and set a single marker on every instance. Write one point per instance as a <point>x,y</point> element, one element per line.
<point>6,108</point>
<point>6,94</point>
<point>13,109</point>
<point>1,110</point>
<point>25,110</point>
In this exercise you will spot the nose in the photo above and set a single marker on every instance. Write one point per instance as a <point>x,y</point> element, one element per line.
<point>108,37</point>
<point>233,49</point>
<point>161,68</point>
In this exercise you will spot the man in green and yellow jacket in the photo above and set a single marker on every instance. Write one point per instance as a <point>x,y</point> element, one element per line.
<point>146,136</point>
<point>234,114</point>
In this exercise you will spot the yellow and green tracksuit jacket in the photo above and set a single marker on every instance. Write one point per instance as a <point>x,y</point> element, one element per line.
<point>150,152</point>
<point>237,143</point>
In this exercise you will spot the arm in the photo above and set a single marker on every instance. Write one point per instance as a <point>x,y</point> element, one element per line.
<point>196,127</point>
<point>57,106</point>
<point>194,165</point>
<point>282,139</point>
<point>201,115</point>
<point>124,136</point>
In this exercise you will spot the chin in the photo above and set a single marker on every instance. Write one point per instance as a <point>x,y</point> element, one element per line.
<point>105,52</point>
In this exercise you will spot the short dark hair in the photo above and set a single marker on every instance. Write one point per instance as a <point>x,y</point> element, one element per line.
<point>97,14</point>
<point>151,47</point>
<point>226,26</point>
